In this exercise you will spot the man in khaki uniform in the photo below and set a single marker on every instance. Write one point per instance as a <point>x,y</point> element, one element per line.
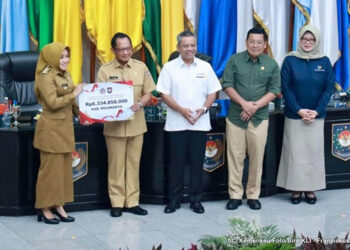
<point>124,138</point>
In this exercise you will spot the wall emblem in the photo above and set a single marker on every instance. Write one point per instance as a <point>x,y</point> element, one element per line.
<point>214,151</point>
<point>341,141</point>
<point>80,160</point>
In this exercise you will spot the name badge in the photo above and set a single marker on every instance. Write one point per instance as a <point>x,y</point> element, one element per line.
<point>200,75</point>
<point>319,68</point>
<point>64,86</point>
<point>113,77</point>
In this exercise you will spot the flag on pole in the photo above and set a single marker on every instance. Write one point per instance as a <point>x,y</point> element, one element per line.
<point>40,15</point>
<point>301,17</point>
<point>67,29</point>
<point>129,22</point>
<point>245,21</point>
<point>172,19</point>
<point>152,37</point>
<point>104,18</point>
<point>342,66</point>
<point>217,32</point>
<point>272,15</point>
<point>324,16</point>
<point>98,27</point>
<point>192,14</point>
<point>14,26</point>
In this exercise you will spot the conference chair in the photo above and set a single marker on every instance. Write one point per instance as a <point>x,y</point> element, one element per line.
<point>17,73</point>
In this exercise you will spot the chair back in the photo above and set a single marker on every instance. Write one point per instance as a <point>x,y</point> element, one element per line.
<point>17,74</point>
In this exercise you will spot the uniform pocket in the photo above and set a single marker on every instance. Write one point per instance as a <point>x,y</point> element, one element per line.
<point>138,87</point>
<point>243,78</point>
<point>264,75</point>
<point>64,86</point>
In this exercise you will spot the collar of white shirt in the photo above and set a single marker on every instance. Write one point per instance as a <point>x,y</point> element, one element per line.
<point>182,63</point>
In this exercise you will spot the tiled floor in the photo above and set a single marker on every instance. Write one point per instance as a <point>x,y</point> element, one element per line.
<point>97,230</point>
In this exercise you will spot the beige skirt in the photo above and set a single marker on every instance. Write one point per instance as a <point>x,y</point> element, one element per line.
<point>54,186</point>
<point>302,166</point>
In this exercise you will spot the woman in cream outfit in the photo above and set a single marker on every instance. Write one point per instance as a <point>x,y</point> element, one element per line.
<point>307,83</point>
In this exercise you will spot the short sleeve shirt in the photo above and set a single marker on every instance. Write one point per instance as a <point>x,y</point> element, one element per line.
<point>137,72</point>
<point>189,86</point>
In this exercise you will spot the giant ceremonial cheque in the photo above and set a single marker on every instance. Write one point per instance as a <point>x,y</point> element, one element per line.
<point>103,102</point>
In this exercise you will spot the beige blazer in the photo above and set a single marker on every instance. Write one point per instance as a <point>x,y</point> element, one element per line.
<point>54,131</point>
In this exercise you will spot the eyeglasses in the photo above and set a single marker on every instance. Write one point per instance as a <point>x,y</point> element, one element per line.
<point>122,49</point>
<point>311,41</point>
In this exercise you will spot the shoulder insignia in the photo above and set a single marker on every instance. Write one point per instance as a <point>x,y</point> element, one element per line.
<point>137,61</point>
<point>45,70</point>
<point>106,64</point>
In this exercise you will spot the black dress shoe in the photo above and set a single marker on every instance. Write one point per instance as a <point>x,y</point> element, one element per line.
<point>254,204</point>
<point>136,210</point>
<point>233,204</point>
<point>197,207</point>
<point>311,200</point>
<point>41,216</point>
<point>295,199</point>
<point>171,207</point>
<point>116,211</point>
<point>62,218</point>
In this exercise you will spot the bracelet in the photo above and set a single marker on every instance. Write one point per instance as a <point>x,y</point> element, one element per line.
<point>205,109</point>
<point>140,104</point>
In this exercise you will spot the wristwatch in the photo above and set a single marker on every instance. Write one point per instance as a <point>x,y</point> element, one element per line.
<point>140,104</point>
<point>205,109</point>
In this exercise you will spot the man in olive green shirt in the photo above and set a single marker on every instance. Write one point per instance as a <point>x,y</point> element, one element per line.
<point>251,80</point>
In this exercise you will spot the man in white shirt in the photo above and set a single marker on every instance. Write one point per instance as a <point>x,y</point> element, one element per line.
<point>188,86</point>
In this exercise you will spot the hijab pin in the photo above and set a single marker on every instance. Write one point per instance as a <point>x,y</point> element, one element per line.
<point>262,68</point>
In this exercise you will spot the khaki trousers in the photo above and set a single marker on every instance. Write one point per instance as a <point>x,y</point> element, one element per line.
<point>240,142</point>
<point>54,186</point>
<point>124,169</point>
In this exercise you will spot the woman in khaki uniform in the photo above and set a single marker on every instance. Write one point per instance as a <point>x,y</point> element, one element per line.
<point>54,132</point>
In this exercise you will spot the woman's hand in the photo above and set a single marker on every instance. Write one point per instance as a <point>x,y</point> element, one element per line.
<point>307,115</point>
<point>313,114</point>
<point>77,90</point>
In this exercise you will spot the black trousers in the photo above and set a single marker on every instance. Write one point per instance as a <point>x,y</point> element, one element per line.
<point>186,147</point>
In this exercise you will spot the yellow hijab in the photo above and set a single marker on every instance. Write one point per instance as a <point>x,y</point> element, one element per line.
<point>49,56</point>
<point>315,52</point>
